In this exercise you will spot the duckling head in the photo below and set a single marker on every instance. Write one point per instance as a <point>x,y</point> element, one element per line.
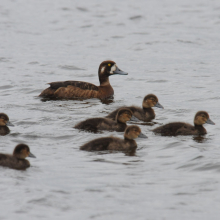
<point>202,117</point>
<point>151,100</point>
<point>4,120</point>
<point>108,68</point>
<point>133,132</point>
<point>124,115</point>
<point>22,151</point>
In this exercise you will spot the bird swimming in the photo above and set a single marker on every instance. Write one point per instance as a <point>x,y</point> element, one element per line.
<point>85,90</point>
<point>146,113</point>
<point>119,124</point>
<point>17,159</point>
<point>182,128</point>
<point>4,123</point>
<point>114,143</point>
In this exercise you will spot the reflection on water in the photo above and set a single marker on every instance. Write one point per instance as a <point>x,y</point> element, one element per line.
<point>103,101</point>
<point>131,152</point>
<point>152,123</point>
<point>200,139</point>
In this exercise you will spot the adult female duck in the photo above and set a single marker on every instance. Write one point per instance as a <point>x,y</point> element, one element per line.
<point>181,128</point>
<point>85,90</point>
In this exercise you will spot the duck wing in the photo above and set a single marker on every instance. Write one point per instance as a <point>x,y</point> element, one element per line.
<point>71,89</point>
<point>79,84</point>
<point>169,129</point>
<point>99,144</point>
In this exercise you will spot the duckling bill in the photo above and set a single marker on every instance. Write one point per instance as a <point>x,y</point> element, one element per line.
<point>181,128</point>
<point>146,113</point>
<point>17,159</point>
<point>119,124</point>
<point>114,143</point>
<point>85,90</point>
<point>4,123</point>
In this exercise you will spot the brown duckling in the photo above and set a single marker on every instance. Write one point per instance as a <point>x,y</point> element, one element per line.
<point>17,159</point>
<point>181,128</point>
<point>146,113</point>
<point>114,143</point>
<point>4,122</point>
<point>95,124</point>
<point>85,90</point>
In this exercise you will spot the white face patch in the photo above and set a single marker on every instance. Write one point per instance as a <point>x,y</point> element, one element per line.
<point>113,68</point>
<point>103,69</point>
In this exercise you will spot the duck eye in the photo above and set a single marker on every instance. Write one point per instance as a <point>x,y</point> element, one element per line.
<point>109,64</point>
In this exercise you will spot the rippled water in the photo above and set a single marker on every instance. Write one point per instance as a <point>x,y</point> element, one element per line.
<point>169,48</point>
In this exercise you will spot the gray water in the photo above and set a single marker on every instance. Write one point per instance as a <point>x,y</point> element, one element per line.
<point>169,48</point>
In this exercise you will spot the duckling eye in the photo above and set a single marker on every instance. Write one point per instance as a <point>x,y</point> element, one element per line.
<point>109,64</point>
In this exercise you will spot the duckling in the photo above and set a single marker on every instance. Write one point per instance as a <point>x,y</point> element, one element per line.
<point>181,128</point>
<point>17,159</point>
<point>4,122</point>
<point>95,124</point>
<point>114,143</point>
<point>79,89</point>
<point>146,113</point>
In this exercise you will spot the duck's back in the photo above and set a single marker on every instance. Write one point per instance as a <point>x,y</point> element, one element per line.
<point>99,144</point>
<point>113,114</point>
<point>109,143</point>
<point>95,124</point>
<point>143,114</point>
<point>140,113</point>
<point>179,128</point>
<point>13,162</point>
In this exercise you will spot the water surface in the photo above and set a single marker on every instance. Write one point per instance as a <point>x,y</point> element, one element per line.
<point>169,48</point>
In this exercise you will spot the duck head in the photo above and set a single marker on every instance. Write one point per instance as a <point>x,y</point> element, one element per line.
<point>108,68</point>
<point>4,120</point>
<point>202,117</point>
<point>22,151</point>
<point>151,100</point>
<point>124,115</point>
<point>133,132</point>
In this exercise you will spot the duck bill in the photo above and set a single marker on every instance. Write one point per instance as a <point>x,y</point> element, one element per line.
<point>209,121</point>
<point>133,118</point>
<point>141,135</point>
<point>119,72</point>
<point>31,155</point>
<point>9,124</point>
<point>158,105</point>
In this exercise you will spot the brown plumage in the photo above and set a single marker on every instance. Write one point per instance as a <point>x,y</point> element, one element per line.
<point>95,124</point>
<point>4,121</point>
<point>113,143</point>
<point>181,128</point>
<point>17,159</point>
<point>146,113</point>
<point>84,90</point>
